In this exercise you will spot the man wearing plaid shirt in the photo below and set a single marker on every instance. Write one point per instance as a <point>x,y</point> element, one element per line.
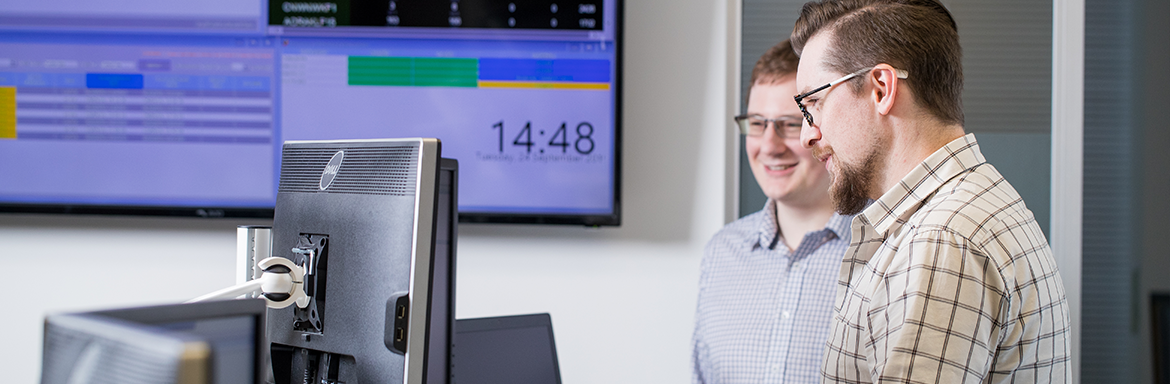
<point>948,278</point>
<point>768,279</point>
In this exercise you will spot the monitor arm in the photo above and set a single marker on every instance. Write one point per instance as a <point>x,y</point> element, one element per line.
<point>281,284</point>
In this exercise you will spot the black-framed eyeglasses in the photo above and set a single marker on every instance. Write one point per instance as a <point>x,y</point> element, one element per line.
<point>786,127</point>
<point>901,73</point>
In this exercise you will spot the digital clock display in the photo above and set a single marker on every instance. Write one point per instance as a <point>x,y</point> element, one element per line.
<point>560,138</point>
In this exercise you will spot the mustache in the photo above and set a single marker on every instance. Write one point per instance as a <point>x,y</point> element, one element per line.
<point>820,153</point>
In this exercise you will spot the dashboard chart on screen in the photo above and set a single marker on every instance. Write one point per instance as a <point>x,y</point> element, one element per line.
<point>137,107</point>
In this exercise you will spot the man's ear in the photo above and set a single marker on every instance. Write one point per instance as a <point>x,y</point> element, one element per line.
<point>884,79</point>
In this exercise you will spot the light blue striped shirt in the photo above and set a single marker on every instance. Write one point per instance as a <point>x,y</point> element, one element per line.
<point>763,311</point>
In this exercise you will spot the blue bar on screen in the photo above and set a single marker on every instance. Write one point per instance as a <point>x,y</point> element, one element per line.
<point>575,70</point>
<point>113,81</point>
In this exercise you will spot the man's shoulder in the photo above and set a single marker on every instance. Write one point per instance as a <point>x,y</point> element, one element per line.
<point>735,240</point>
<point>738,235</point>
<point>740,231</point>
<point>975,205</point>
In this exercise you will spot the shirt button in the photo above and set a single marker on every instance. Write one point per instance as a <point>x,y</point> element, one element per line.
<point>776,368</point>
<point>786,314</point>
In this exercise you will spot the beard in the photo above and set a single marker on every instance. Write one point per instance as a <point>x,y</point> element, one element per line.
<point>849,191</point>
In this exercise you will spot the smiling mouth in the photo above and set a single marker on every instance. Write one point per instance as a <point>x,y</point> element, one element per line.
<point>779,167</point>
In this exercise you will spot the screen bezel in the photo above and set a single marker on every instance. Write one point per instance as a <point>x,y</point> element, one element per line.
<point>133,210</point>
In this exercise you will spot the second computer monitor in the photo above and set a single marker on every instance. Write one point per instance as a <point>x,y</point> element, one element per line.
<point>215,342</point>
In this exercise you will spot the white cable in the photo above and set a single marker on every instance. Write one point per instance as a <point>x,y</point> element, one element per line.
<point>250,286</point>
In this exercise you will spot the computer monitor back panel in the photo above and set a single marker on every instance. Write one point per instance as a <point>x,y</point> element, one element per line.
<point>214,342</point>
<point>83,348</point>
<point>360,216</point>
<point>233,328</point>
<point>505,350</point>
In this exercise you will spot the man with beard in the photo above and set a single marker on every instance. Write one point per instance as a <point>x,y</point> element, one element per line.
<point>768,279</point>
<point>948,278</point>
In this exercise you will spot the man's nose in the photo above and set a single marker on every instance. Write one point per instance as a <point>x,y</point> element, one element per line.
<point>773,142</point>
<point>809,135</point>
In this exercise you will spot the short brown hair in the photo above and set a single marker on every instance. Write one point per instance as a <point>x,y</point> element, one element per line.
<point>778,62</point>
<point>774,65</point>
<point>919,36</point>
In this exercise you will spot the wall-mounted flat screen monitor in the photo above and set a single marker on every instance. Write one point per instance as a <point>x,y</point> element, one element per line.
<point>180,108</point>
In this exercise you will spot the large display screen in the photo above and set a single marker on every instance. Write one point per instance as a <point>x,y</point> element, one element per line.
<point>180,108</point>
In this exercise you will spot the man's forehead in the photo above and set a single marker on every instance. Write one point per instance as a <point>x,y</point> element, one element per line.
<point>781,80</point>
<point>780,87</point>
<point>812,65</point>
<point>772,94</point>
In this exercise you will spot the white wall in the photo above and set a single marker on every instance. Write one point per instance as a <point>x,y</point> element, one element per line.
<point>621,299</point>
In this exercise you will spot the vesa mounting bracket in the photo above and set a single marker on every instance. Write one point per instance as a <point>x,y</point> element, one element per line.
<point>312,253</point>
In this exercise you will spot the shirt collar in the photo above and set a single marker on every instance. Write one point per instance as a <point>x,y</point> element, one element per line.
<point>898,203</point>
<point>769,227</point>
<point>839,224</point>
<point>769,234</point>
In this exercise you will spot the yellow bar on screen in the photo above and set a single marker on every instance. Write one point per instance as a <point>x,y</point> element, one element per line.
<point>544,85</point>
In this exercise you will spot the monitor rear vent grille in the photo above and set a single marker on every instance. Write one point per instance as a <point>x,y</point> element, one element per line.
<point>364,170</point>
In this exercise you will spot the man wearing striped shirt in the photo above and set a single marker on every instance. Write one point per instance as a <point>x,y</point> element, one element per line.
<point>768,279</point>
<point>948,278</point>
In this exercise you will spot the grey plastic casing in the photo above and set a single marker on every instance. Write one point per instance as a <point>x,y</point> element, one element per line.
<point>378,213</point>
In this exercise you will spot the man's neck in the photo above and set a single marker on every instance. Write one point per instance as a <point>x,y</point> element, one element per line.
<point>797,220</point>
<point>909,146</point>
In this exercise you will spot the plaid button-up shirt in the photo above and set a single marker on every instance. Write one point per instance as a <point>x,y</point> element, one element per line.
<point>948,279</point>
